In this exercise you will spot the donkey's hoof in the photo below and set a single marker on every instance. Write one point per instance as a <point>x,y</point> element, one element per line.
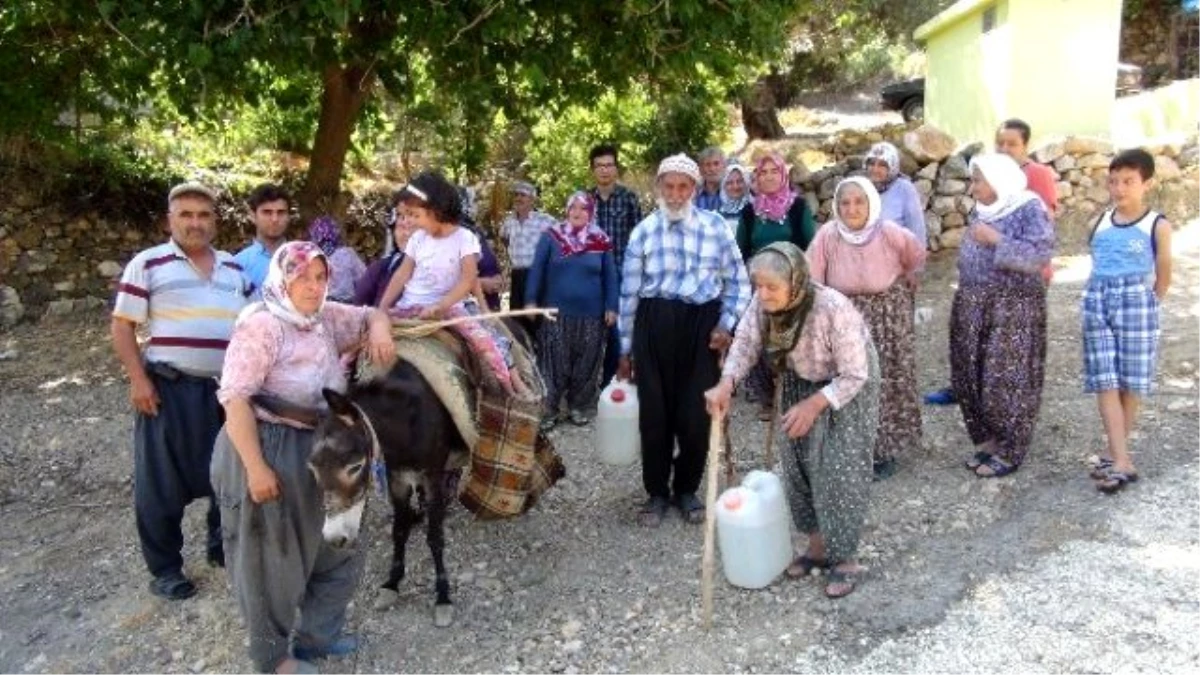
<point>386,598</point>
<point>443,615</point>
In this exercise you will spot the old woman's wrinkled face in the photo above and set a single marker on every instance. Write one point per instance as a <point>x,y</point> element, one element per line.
<point>877,171</point>
<point>770,178</point>
<point>852,207</point>
<point>981,190</point>
<point>735,185</point>
<point>773,292</point>
<point>577,215</point>
<point>307,290</point>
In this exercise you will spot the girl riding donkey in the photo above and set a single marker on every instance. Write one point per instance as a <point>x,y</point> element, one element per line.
<point>440,274</point>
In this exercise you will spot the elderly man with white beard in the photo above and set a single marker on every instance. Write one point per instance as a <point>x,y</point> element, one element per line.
<point>683,290</point>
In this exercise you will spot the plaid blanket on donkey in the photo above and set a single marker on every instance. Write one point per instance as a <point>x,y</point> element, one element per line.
<point>512,462</point>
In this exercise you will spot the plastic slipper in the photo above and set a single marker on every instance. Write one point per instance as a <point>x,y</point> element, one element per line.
<point>653,512</point>
<point>1115,481</point>
<point>803,566</point>
<point>977,460</point>
<point>998,468</point>
<point>848,580</point>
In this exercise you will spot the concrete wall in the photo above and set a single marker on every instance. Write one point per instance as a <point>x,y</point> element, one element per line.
<point>967,75</point>
<point>1050,62</point>
<point>1173,110</point>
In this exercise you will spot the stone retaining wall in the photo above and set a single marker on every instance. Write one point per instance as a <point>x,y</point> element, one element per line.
<point>939,171</point>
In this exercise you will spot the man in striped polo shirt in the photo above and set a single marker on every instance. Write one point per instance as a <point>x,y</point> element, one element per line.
<point>189,294</point>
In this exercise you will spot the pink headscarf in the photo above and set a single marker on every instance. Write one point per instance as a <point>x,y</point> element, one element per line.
<point>587,239</point>
<point>774,206</point>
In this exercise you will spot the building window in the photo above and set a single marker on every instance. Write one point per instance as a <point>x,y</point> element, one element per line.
<point>989,19</point>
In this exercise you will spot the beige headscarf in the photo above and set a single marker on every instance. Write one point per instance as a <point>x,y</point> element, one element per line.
<point>781,330</point>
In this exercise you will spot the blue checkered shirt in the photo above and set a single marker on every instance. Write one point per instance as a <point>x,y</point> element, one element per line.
<point>695,260</point>
<point>617,216</point>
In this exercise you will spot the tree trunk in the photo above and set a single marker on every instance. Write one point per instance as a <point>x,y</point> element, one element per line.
<point>344,91</point>
<point>759,117</point>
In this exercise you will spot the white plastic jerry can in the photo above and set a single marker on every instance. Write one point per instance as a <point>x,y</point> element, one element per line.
<point>753,531</point>
<point>618,441</point>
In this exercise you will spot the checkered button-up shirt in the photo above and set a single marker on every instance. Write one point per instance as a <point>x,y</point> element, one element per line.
<point>695,261</point>
<point>617,216</point>
<point>523,235</point>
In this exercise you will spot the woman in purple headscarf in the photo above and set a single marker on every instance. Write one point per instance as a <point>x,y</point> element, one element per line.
<point>345,267</point>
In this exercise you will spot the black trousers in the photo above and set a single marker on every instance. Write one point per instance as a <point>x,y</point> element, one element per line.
<point>171,455</point>
<point>673,367</point>
<point>612,346</point>
<point>516,299</point>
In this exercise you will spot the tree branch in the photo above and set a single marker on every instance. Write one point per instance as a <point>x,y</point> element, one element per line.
<point>116,30</point>
<point>478,20</point>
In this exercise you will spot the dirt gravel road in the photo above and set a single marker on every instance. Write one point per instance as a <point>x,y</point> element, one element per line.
<point>1033,573</point>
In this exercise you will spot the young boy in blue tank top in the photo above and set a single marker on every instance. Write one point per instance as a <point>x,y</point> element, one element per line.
<point>1131,271</point>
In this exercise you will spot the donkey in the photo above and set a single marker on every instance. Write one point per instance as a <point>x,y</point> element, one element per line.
<point>395,421</point>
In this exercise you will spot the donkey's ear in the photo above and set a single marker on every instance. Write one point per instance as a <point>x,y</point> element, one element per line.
<point>339,404</point>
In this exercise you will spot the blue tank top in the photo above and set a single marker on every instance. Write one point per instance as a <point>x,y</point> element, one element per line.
<point>1123,249</point>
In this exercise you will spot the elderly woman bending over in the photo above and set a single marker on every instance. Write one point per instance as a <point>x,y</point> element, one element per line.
<point>819,344</point>
<point>287,347</point>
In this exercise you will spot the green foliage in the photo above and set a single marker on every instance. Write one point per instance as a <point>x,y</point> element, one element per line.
<point>456,64</point>
<point>645,128</point>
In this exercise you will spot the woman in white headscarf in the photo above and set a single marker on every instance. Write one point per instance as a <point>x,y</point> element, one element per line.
<point>874,262</point>
<point>735,196</point>
<point>899,200</point>
<point>998,319</point>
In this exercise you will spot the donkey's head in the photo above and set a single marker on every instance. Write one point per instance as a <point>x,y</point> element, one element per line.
<point>341,461</point>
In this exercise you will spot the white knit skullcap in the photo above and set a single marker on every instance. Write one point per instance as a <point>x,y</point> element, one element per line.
<point>680,163</point>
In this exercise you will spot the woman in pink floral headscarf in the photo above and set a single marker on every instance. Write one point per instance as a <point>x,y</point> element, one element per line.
<point>287,348</point>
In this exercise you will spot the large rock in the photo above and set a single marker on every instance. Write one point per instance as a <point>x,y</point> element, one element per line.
<point>943,205</point>
<point>927,172</point>
<point>1094,160</point>
<point>970,150</point>
<point>60,308</point>
<point>964,204</point>
<point>1065,163</point>
<point>955,168</point>
<point>952,187</point>
<point>1050,152</point>
<point>952,238</point>
<point>1165,168</point>
<point>933,225</point>
<point>953,220</point>
<point>1064,189</point>
<point>109,269</point>
<point>1098,195</point>
<point>1083,145</point>
<point>929,144</point>
<point>1189,156</point>
<point>924,187</point>
<point>11,309</point>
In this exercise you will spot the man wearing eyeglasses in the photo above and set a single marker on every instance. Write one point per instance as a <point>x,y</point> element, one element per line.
<point>617,212</point>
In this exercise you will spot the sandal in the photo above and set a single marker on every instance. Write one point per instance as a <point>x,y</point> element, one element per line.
<point>803,566</point>
<point>977,460</point>
<point>1115,481</point>
<point>840,583</point>
<point>691,508</point>
<point>653,512</point>
<point>997,468</point>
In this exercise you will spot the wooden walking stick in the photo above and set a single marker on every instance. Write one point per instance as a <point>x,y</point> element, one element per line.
<point>710,518</point>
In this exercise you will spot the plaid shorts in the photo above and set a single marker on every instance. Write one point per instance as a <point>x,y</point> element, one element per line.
<point>1120,335</point>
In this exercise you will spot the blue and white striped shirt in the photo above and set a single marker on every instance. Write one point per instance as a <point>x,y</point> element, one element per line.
<point>695,261</point>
